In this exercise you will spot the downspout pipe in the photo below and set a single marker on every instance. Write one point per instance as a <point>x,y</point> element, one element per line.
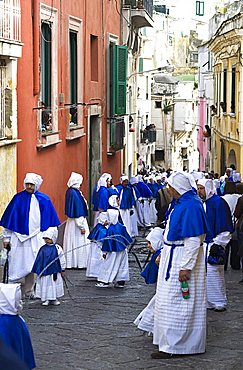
<point>36,46</point>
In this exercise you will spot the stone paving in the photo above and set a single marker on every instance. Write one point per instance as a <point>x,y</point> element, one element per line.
<point>93,328</point>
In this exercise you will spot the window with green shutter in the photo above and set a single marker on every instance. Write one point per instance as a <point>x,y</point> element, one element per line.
<point>119,79</point>
<point>121,52</point>
<point>73,76</point>
<point>46,62</point>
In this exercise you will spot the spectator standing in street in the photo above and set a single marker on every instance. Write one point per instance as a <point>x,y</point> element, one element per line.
<point>180,324</point>
<point>50,265</point>
<point>231,249</point>
<point>218,236</point>
<point>14,333</point>
<point>75,241</point>
<point>29,213</point>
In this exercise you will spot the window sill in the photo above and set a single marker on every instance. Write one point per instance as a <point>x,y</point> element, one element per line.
<point>75,132</point>
<point>48,139</point>
<point>49,133</point>
<point>9,141</point>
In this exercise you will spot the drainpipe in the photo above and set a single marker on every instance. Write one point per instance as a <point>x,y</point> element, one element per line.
<point>36,46</point>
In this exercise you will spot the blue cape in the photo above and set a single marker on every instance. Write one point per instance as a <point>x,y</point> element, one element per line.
<point>75,205</point>
<point>14,333</point>
<point>144,190</point>
<point>134,187</point>
<point>112,191</point>
<point>101,199</point>
<point>120,241</point>
<point>46,255</point>
<point>153,188</point>
<point>158,187</point>
<point>16,215</point>
<point>99,232</point>
<point>219,217</point>
<point>188,217</point>
<point>150,273</point>
<point>127,200</point>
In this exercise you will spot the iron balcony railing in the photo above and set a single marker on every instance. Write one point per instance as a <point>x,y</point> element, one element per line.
<point>141,4</point>
<point>10,20</point>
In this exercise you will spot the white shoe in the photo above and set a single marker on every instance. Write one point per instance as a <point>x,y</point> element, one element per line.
<point>102,285</point>
<point>56,302</point>
<point>46,303</point>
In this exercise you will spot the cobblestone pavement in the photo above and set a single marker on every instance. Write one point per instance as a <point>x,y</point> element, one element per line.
<point>93,328</point>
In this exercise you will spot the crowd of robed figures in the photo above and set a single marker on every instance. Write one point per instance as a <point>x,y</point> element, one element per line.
<point>195,232</point>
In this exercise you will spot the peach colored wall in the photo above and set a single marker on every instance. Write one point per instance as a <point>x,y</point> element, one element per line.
<point>55,163</point>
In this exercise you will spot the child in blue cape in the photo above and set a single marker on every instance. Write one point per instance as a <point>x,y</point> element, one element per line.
<point>155,243</point>
<point>49,265</point>
<point>96,236</point>
<point>14,332</point>
<point>145,320</point>
<point>114,266</point>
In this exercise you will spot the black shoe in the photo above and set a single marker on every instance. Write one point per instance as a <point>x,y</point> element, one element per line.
<point>219,309</point>
<point>166,356</point>
<point>241,281</point>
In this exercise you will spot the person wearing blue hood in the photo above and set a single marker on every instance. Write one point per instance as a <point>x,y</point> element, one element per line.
<point>75,240</point>
<point>179,323</point>
<point>29,213</point>
<point>217,238</point>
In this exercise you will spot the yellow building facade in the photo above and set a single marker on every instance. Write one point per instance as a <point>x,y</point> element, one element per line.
<point>227,111</point>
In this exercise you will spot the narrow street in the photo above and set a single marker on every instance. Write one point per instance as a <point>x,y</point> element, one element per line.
<point>93,328</point>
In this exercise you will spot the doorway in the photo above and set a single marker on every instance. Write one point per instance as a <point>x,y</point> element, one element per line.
<point>95,160</point>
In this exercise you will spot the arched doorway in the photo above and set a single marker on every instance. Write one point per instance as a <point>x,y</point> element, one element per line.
<point>232,158</point>
<point>222,158</point>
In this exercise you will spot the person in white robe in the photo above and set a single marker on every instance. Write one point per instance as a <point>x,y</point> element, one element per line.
<point>218,237</point>
<point>75,240</point>
<point>50,265</point>
<point>96,237</point>
<point>29,213</point>
<point>180,324</point>
<point>134,216</point>
<point>114,267</point>
<point>127,202</point>
<point>14,333</point>
<point>145,320</point>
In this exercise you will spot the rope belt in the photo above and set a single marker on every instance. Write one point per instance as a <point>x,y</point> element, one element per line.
<point>173,246</point>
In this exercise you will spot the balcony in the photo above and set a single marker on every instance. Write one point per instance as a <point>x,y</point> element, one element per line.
<point>141,12</point>
<point>10,21</point>
<point>148,135</point>
<point>117,134</point>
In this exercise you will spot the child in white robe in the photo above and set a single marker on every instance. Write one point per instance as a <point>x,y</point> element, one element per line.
<point>145,320</point>
<point>96,237</point>
<point>114,266</point>
<point>50,265</point>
